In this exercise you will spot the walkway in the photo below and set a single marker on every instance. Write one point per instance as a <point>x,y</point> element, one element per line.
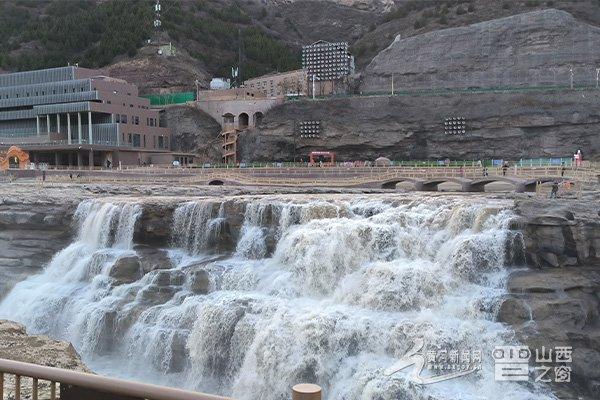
<point>424,179</point>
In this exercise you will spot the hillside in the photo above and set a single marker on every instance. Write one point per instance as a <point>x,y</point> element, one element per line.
<point>206,33</point>
<point>538,48</point>
<point>416,17</point>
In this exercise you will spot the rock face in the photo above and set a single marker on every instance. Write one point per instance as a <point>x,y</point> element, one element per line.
<point>531,49</point>
<point>30,234</point>
<point>555,303</point>
<point>561,233</point>
<point>194,132</point>
<point>16,345</point>
<point>153,73</point>
<point>498,125</point>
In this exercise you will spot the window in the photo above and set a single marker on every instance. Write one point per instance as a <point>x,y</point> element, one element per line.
<point>123,118</point>
<point>108,102</point>
<point>123,135</point>
<point>136,120</point>
<point>144,140</point>
<point>129,138</point>
<point>136,140</point>
<point>161,142</point>
<point>154,140</point>
<point>117,118</point>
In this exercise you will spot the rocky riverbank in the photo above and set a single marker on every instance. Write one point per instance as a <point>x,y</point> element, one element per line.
<point>16,344</point>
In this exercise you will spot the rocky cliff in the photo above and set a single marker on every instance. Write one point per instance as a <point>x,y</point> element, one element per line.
<point>194,132</point>
<point>32,230</point>
<point>508,125</point>
<point>536,48</point>
<point>555,301</point>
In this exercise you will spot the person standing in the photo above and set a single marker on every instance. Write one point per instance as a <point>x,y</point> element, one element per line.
<point>554,192</point>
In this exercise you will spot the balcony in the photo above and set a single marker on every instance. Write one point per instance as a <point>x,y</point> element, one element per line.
<point>102,135</point>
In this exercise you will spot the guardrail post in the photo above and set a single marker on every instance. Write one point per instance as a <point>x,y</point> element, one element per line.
<point>34,389</point>
<point>17,387</point>
<point>1,385</point>
<point>306,391</point>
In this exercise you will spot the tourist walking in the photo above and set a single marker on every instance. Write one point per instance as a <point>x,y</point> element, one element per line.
<point>562,169</point>
<point>554,192</point>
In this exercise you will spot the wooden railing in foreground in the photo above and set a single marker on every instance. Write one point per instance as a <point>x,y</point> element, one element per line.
<point>72,385</point>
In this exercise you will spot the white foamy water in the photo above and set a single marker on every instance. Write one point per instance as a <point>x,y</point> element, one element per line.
<point>325,292</point>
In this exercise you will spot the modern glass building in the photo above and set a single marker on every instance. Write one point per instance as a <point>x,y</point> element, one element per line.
<point>77,116</point>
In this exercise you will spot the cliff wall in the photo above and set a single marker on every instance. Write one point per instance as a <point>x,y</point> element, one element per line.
<point>509,125</point>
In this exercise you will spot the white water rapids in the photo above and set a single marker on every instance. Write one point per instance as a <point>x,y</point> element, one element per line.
<point>329,292</point>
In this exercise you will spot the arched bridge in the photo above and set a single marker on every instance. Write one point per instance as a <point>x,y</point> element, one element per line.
<point>423,179</point>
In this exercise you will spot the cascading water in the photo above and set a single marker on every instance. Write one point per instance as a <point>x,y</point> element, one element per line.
<point>350,286</point>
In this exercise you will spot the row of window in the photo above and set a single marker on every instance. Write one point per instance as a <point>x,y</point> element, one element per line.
<point>43,93</point>
<point>135,120</point>
<point>136,140</point>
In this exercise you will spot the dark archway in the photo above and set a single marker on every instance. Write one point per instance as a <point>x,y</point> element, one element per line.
<point>228,118</point>
<point>243,120</point>
<point>13,162</point>
<point>216,182</point>
<point>258,117</point>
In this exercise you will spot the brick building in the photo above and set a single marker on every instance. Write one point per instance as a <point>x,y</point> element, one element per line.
<point>77,116</point>
<point>291,83</point>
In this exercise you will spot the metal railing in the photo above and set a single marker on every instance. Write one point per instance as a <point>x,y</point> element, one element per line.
<point>64,382</point>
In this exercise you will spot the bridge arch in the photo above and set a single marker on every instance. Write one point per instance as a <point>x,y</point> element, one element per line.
<point>391,183</point>
<point>529,185</point>
<point>478,185</point>
<point>216,182</point>
<point>228,118</point>
<point>431,185</point>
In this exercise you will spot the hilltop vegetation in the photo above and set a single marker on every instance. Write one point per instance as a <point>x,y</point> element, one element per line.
<point>95,33</point>
<point>46,33</point>
<point>39,34</point>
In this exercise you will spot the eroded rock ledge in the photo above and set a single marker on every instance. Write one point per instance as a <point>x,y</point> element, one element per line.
<point>556,300</point>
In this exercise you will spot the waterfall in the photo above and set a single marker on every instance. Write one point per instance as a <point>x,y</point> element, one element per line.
<point>346,290</point>
<point>196,227</point>
<point>76,277</point>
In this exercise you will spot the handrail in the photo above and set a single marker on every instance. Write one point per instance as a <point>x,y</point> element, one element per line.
<point>118,387</point>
